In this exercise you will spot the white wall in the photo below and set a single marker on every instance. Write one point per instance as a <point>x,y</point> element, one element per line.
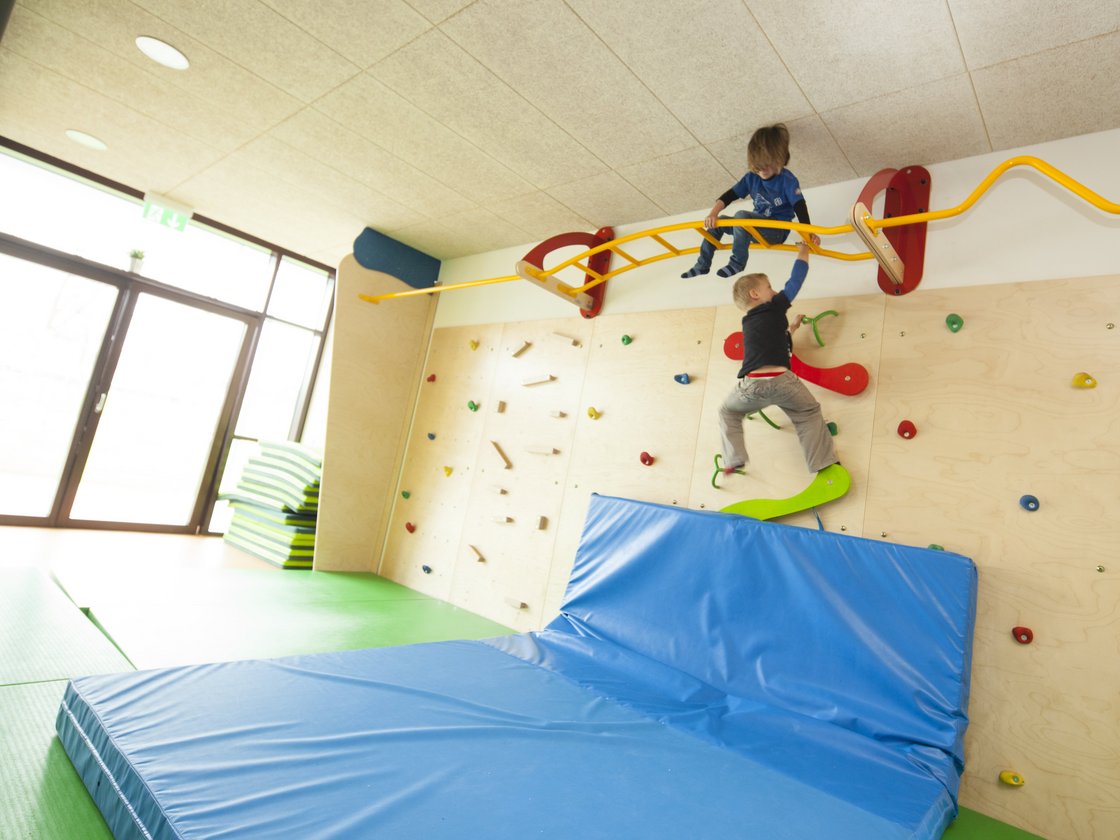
<point>1026,227</point>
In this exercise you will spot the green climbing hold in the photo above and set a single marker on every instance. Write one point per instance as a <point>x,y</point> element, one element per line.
<point>626,339</point>
<point>833,429</point>
<point>405,494</point>
<point>805,319</point>
<point>936,547</point>
<point>954,322</point>
<point>472,405</point>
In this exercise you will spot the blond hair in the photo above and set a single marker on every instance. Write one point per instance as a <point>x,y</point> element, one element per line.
<point>769,146</point>
<point>741,292</point>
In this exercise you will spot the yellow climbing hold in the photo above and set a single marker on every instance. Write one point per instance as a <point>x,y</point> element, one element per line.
<point>1084,380</point>
<point>593,414</point>
<point>447,471</point>
<point>1010,777</point>
<point>474,344</point>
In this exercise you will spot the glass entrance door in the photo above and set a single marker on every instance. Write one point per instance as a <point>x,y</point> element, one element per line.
<point>52,332</point>
<point>153,448</point>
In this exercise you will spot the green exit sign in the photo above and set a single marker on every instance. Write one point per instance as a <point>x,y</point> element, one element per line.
<point>164,211</point>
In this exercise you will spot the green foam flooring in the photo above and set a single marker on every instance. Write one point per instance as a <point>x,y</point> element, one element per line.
<point>92,584</point>
<point>45,637</point>
<point>169,632</point>
<point>971,825</point>
<point>41,795</point>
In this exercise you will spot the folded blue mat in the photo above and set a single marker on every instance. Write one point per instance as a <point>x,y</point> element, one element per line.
<point>709,676</point>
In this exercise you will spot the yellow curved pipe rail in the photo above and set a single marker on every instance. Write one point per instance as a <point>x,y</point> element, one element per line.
<point>670,251</point>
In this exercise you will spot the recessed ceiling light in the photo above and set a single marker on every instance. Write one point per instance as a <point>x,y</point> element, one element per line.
<point>87,140</point>
<point>162,53</point>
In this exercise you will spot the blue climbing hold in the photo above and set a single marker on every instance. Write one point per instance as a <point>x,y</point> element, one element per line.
<point>682,378</point>
<point>1029,502</point>
<point>431,435</point>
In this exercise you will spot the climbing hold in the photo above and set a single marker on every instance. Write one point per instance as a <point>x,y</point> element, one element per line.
<point>1010,777</point>
<point>682,378</point>
<point>805,319</point>
<point>447,471</point>
<point>833,429</point>
<point>525,345</point>
<point>954,322</point>
<point>431,435</point>
<point>646,459</point>
<point>936,547</point>
<point>593,413</point>
<point>770,422</point>
<point>1100,568</point>
<point>1028,502</point>
<point>472,405</point>
<point>408,526</point>
<point>719,470</point>
<point>626,339</point>
<point>474,344</point>
<point>1023,635</point>
<point>405,494</point>
<point>431,377</point>
<point>907,430</point>
<point>1084,380</point>
<point>426,569</point>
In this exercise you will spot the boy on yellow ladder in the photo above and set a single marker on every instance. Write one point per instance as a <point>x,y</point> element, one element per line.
<point>775,192</point>
<point>765,380</point>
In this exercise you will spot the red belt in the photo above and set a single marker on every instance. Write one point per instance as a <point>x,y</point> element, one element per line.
<point>765,374</point>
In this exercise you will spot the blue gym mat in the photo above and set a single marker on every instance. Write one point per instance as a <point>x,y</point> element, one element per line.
<point>709,676</point>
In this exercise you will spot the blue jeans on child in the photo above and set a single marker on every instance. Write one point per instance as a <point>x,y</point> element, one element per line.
<point>741,241</point>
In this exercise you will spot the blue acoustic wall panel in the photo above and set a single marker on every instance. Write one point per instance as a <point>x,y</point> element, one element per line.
<point>379,252</point>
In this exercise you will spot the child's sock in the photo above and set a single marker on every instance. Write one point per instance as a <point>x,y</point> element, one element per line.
<point>730,270</point>
<point>731,470</point>
<point>695,271</point>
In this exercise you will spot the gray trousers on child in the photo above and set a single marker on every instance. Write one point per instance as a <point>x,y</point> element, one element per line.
<point>788,393</point>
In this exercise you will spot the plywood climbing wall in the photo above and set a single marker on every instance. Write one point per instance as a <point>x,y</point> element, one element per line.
<point>997,418</point>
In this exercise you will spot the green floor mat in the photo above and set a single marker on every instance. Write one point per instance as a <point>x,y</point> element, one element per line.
<point>159,634</point>
<point>45,636</point>
<point>113,580</point>
<point>41,795</point>
<point>970,825</point>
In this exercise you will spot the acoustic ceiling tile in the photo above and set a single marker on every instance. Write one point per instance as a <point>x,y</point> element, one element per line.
<point>439,78</point>
<point>934,122</point>
<point>607,199</point>
<point>681,182</point>
<point>708,62</point>
<point>262,41</point>
<point>318,136</point>
<point>1000,30</point>
<point>861,50</point>
<point>1028,100</point>
<point>547,54</point>
<point>539,215</point>
<point>375,112</point>
<point>362,31</point>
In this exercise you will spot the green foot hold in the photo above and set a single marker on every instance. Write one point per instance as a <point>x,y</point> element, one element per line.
<point>830,484</point>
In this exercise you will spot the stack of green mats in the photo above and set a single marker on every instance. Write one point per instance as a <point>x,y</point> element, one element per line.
<point>276,504</point>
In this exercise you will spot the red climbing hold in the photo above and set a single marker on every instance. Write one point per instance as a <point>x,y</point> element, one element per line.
<point>907,430</point>
<point>431,377</point>
<point>408,526</point>
<point>1022,635</point>
<point>646,459</point>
